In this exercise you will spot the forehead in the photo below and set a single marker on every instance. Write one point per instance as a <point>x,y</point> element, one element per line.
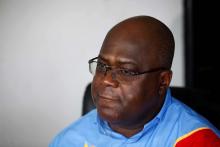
<point>127,50</point>
<point>135,41</point>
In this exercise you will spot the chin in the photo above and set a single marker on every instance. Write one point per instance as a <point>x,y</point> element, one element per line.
<point>109,115</point>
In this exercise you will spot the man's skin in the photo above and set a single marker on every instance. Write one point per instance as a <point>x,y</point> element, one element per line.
<point>139,44</point>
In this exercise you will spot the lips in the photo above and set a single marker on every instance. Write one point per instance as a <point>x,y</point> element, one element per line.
<point>107,103</point>
<point>108,98</point>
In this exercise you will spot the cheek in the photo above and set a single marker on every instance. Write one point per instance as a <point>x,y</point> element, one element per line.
<point>94,89</point>
<point>137,95</point>
<point>131,96</point>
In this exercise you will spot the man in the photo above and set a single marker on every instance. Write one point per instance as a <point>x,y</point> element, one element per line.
<point>132,74</point>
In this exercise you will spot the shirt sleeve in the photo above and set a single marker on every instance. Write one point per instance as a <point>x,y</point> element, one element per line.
<point>202,137</point>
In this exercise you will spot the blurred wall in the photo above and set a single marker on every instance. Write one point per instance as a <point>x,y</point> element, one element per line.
<point>44,49</point>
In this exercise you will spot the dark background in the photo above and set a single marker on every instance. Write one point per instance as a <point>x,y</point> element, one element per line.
<point>201,57</point>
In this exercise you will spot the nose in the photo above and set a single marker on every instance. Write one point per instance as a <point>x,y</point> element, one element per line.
<point>110,79</point>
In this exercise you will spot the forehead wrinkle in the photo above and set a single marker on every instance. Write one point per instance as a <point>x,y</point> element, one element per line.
<point>123,51</point>
<point>116,60</point>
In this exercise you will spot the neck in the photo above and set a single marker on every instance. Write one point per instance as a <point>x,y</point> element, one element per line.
<point>126,131</point>
<point>130,128</point>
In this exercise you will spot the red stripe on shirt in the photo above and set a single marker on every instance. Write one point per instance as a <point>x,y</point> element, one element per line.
<point>202,137</point>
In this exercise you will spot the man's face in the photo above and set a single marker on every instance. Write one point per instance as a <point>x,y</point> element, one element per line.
<point>126,102</point>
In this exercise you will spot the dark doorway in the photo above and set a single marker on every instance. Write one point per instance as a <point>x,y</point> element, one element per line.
<point>201,52</point>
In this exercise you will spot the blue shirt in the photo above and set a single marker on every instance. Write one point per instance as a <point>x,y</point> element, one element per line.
<point>174,120</point>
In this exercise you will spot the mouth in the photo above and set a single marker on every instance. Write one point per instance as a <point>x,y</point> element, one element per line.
<point>107,103</point>
<point>108,98</point>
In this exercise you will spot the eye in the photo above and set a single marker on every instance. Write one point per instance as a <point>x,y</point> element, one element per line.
<point>127,72</point>
<point>101,67</point>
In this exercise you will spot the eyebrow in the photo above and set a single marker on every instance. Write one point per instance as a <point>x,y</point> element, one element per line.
<point>120,61</point>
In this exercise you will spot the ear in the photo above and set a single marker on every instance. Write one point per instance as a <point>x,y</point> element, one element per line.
<point>165,79</point>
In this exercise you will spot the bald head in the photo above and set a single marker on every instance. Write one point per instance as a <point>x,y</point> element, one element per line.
<point>152,39</point>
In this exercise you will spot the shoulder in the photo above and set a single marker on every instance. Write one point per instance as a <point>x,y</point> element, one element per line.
<point>193,129</point>
<point>201,137</point>
<point>85,121</point>
<point>187,117</point>
<point>75,133</point>
<point>182,115</point>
